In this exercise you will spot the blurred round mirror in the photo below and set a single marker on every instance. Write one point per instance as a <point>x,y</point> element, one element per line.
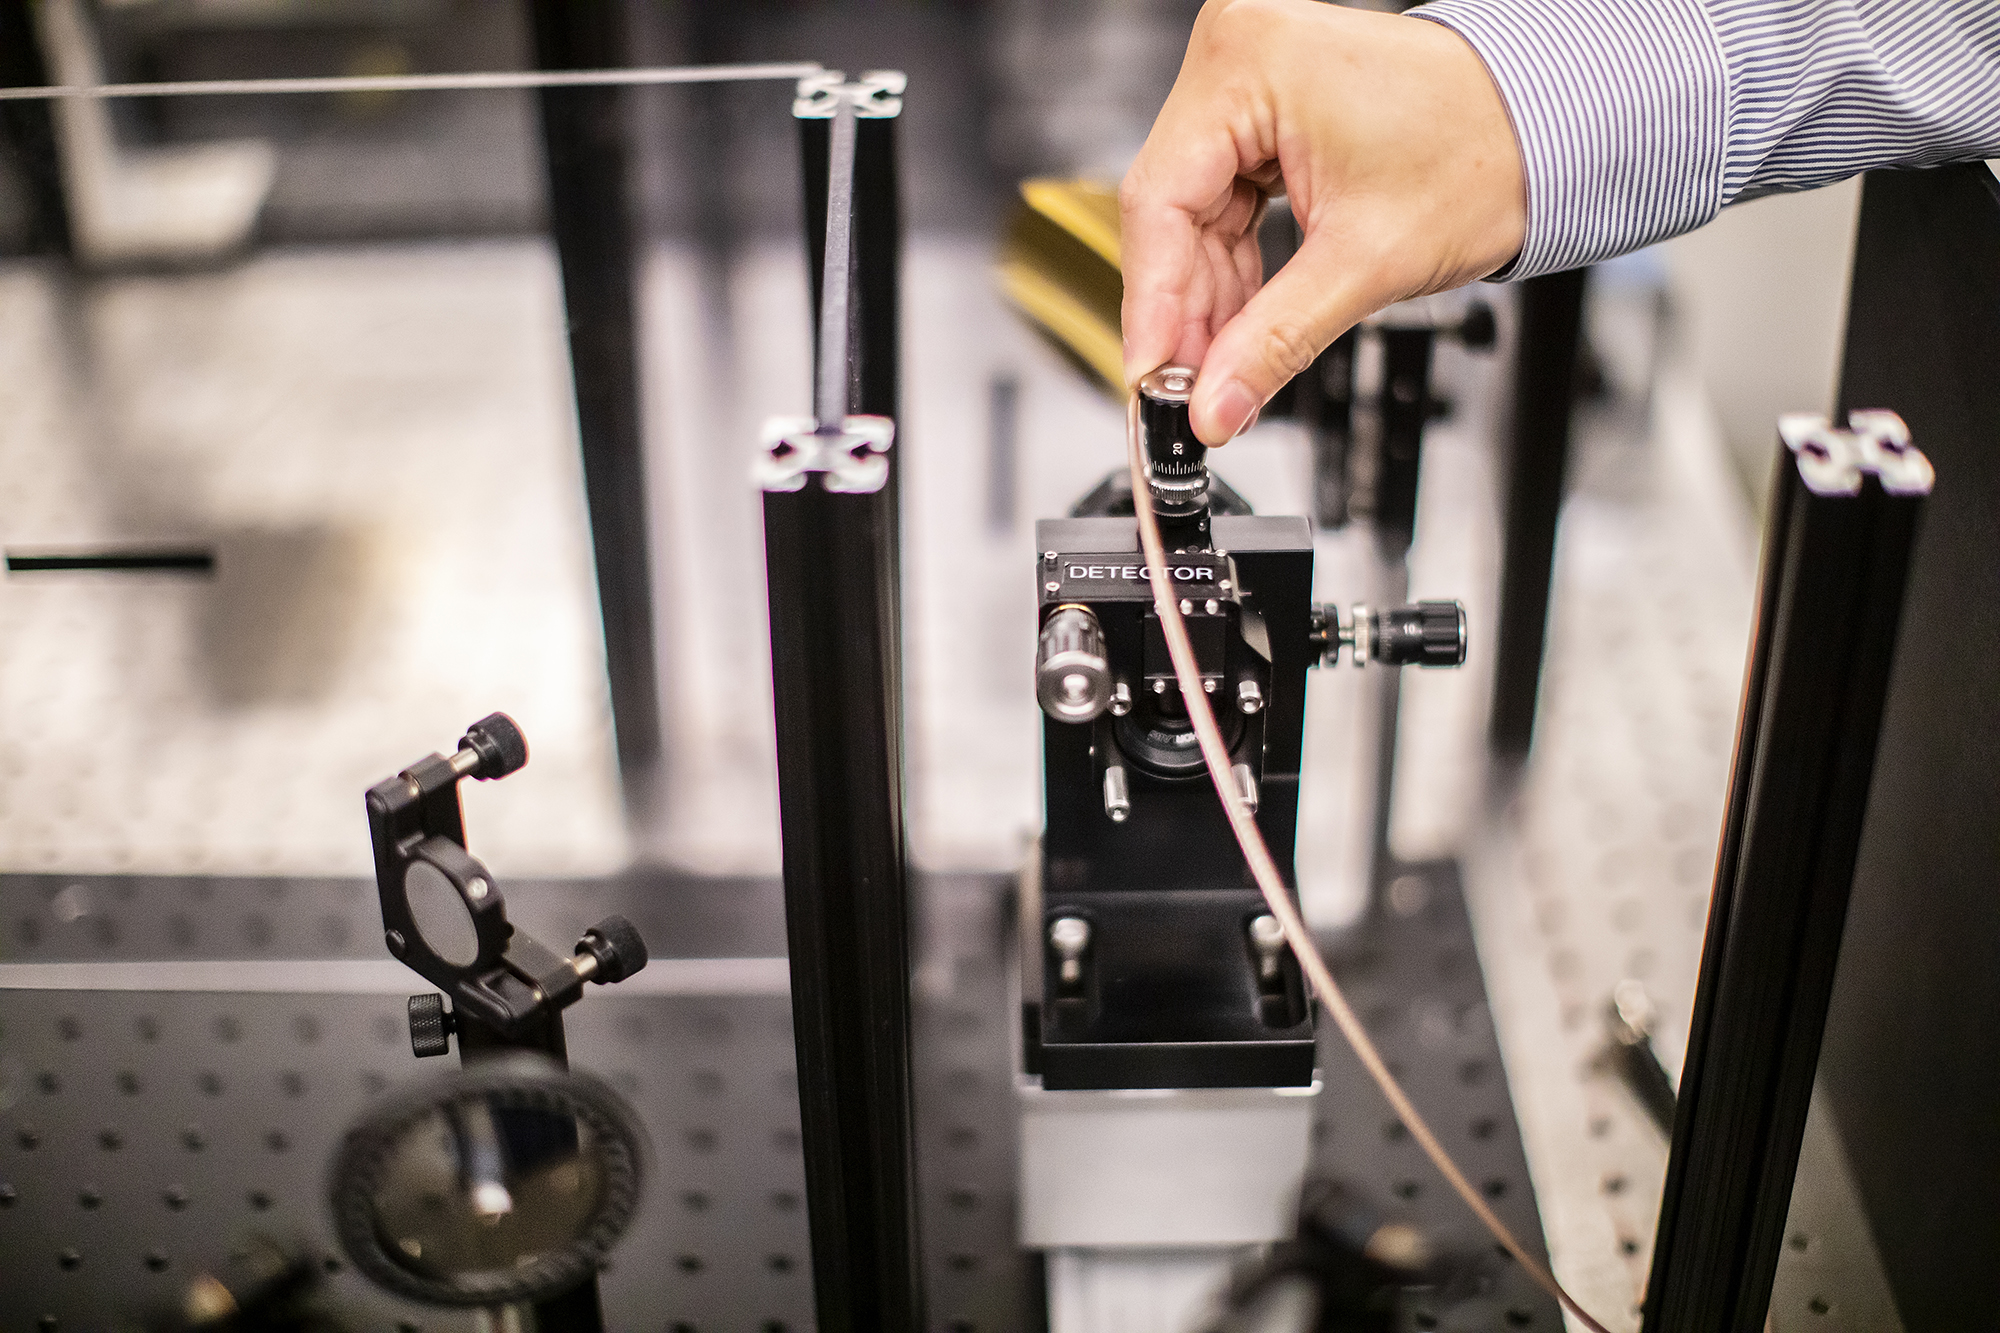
<point>441,914</point>
<point>506,1181</point>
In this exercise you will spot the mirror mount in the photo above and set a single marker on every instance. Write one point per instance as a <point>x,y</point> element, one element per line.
<point>510,995</point>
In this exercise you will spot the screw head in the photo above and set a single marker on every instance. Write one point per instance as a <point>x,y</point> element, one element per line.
<point>1214,607</point>
<point>476,890</point>
<point>1052,586</point>
<point>397,944</point>
<point>1069,935</point>
<point>1266,933</point>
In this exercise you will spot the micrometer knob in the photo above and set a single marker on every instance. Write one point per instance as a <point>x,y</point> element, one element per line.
<point>1428,634</point>
<point>1172,448</point>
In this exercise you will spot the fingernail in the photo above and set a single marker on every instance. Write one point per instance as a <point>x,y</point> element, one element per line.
<point>1244,429</point>
<point>1234,408</point>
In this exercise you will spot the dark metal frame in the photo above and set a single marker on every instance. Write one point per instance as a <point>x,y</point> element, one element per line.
<point>1546,356</point>
<point>1908,1064</point>
<point>584,137</point>
<point>831,549</point>
<point>1837,551</point>
<point>1404,409</point>
<point>27,131</point>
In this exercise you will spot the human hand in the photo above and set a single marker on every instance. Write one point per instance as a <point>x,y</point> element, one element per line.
<point>1394,148</point>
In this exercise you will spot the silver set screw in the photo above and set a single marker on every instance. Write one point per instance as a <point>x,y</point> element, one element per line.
<point>1069,936</point>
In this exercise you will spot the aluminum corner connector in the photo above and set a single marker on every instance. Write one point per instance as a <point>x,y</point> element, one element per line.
<point>853,460</point>
<point>876,95</point>
<point>1832,461</point>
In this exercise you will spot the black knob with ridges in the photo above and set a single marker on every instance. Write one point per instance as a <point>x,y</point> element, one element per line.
<point>431,1025</point>
<point>501,747</point>
<point>615,945</point>
<point>1428,634</point>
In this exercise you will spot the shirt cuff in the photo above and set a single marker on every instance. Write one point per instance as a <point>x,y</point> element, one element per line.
<point>1621,112</point>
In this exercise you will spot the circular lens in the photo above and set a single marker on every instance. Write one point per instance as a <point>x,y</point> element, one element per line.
<point>503,1182</point>
<point>476,1187</point>
<point>441,915</point>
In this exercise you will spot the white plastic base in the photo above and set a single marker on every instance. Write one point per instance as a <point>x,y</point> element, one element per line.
<point>1161,1168</point>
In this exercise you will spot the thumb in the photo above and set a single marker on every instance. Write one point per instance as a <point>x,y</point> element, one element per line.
<point>1312,300</point>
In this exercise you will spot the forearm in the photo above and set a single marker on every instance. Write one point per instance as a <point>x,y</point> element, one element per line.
<point>1639,121</point>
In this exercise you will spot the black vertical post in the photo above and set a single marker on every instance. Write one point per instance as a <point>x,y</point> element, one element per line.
<point>1324,402</point>
<point>831,550</point>
<point>1836,552</point>
<point>1404,410</point>
<point>1546,356</point>
<point>27,130</point>
<point>1320,397</point>
<point>584,132</point>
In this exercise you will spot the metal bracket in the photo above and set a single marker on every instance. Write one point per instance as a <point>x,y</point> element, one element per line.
<point>851,461</point>
<point>1834,461</point>
<point>876,95</point>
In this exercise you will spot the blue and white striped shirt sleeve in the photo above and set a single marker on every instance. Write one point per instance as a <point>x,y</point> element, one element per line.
<point>1641,119</point>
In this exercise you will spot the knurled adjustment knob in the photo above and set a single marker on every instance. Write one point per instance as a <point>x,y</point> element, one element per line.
<point>616,946</point>
<point>498,742</point>
<point>1428,634</point>
<point>430,1025</point>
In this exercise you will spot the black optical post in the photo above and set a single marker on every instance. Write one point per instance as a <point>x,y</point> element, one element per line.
<point>830,534</point>
<point>1843,521</point>
<point>1547,348</point>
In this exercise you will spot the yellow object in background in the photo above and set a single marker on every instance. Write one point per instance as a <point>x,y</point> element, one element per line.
<point>1059,268</point>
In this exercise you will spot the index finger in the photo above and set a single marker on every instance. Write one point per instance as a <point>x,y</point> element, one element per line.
<point>1173,190</point>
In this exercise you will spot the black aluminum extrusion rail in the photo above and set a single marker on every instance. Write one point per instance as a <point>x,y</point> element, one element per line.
<point>831,551</point>
<point>1830,601</point>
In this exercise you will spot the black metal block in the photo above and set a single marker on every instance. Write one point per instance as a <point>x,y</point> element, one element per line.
<point>1171,995</point>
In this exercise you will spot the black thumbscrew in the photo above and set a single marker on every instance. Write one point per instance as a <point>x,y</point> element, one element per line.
<point>430,1025</point>
<point>501,747</point>
<point>616,947</point>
